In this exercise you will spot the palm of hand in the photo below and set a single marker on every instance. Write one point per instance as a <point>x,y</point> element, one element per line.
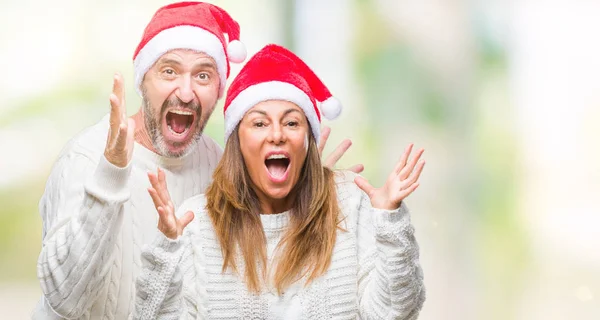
<point>168,223</point>
<point>401,182</point>
<point>119,143</point>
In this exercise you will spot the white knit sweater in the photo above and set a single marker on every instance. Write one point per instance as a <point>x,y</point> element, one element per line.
<point>374,272</point>
<point>96,217</point>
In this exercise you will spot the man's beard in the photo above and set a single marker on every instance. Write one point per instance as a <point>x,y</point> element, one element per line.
<point>153,124</point>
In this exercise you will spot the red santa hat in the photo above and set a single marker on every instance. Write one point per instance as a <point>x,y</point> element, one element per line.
<point>190,25</point>
<point>275,73</point>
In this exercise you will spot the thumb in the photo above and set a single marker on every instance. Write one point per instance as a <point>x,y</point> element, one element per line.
<point>186,219</point>
<point>130,129</point>
<point>325,131</point>
<point>357,168</point>
<point>130,135</point>
<point>364,185</point>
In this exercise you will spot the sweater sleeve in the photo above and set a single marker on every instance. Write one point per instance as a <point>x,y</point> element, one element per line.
<point>82,210</point>
<point>172,282</point>
<point>390,279</point>
<point>165,289</point>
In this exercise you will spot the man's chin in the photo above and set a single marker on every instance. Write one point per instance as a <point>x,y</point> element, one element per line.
<point>177,149</point>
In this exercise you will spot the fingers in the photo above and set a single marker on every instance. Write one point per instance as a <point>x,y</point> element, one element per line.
<point>115,108</point>
<point>159,185</point>
<point>323,140</point>
<point>115,118</point>
<point>186,219</point>
<point>124,137</point>
<point>159,190</point>
<point>402,162</point>
<point>411,184</point>
<point>155,198</point>
<point>162,182</point>
<point>118,133</point>
<point>167,223</point>
<point>153,180</point>
<point>161,177</point>
<point>357,168</point>
<point>414,177</point>
<point>406,192</point>
<point>130,138</point>
<point>119,92</point>
<point>115,99</point>
<point>165,215</point>
<point>121,143</point>
<point>364,185</point>
<point>407,170</point>
<point>338,153</point>
<point>167,219</point>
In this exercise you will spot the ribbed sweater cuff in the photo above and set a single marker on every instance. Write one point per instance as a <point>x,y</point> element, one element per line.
<point>163,251</point>
<point>110,182</point>
<point>391,225</point>
<point>382,217</point>
<point>166,244</point>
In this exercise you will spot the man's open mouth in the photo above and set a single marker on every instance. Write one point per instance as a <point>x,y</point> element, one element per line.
<point>179,121</point>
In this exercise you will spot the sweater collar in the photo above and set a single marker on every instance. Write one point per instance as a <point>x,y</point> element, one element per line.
<point>144,153</point>
<point>274,222</point>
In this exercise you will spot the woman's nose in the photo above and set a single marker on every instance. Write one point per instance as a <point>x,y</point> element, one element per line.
<point>277,135</point>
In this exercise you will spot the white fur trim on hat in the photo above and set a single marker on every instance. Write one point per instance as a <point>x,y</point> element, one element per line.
<point>180,37</point>
<point>272,90</point>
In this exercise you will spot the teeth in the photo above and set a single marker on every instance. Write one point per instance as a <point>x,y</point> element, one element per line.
<point>181,112</point>
<point>276,156</point>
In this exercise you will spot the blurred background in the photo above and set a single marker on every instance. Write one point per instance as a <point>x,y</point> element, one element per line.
<point>503,95</point>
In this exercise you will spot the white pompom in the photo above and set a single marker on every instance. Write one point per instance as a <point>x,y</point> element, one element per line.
<point>236,51</point>
<point>331,108</point>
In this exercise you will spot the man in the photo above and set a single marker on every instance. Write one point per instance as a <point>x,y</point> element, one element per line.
<point>96,211</point>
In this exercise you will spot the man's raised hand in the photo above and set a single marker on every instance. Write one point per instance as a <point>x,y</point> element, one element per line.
<point>119,145</point>
<point>171,226</point>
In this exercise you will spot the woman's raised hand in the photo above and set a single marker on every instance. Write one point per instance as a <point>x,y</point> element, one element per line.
<point>401,182</point>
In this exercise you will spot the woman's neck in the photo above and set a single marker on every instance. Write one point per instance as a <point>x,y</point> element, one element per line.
<point>274,206</point>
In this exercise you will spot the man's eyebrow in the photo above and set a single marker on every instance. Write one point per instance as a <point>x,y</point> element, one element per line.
<point>206,65</point>
<point>169,61</point>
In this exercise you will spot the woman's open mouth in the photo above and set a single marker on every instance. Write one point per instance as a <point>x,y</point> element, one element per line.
<point>277,165</point>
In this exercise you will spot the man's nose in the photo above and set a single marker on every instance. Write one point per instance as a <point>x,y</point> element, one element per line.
<point>184,91</point>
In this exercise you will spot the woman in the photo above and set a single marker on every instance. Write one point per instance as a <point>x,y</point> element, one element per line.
<point>277,235</point>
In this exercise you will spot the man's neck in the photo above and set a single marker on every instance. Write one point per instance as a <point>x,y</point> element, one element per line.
<point>141,134</point>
